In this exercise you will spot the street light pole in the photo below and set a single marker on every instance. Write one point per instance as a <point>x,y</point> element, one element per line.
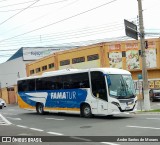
<point>143,56</point>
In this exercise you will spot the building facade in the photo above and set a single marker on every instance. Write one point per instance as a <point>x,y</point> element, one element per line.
<point>121,54</point>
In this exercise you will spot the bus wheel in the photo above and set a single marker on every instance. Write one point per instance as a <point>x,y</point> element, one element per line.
<point>39,108</point>
<point>86,111</point>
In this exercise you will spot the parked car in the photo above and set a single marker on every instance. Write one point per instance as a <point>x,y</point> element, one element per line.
<point>154,94</point>
<point>2,103</point>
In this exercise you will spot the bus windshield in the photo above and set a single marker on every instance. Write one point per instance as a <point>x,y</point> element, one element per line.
<point>121,86</point>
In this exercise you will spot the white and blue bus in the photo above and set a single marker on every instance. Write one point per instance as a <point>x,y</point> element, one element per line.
<point>95,91</point>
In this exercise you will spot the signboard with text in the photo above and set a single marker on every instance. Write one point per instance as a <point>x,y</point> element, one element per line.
<point>34,53</point>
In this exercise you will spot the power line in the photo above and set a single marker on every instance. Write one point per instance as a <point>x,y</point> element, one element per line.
<point>8,50</point>
<point>79,44</point>
<point>83,32</point>
<point>33,20</point>
<point>61,37</point>
<point>16,4</point>
<point>19,12</point>
<point>62,20</point>
<point>37,6</point>
<point>80,31</point>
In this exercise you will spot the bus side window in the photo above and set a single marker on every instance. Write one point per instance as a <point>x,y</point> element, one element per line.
<point>31,85</point>
<point>80,80</point>
<point>22,86</point>
<point>82,85</point>
<point>67,85</point>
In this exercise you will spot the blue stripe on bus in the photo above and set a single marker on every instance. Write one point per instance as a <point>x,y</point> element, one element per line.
<point>69,98</point>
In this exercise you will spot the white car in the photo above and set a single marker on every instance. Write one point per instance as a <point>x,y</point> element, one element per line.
<point>2,103</point>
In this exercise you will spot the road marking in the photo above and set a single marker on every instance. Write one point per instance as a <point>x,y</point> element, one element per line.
<point>11,109</point>
<point>22,126</point>
<point>36,129</point>
<point>24,134</point>
<point>9,113</point>
<point>148,114</point>
<point>55,133</point>
<point>143,127</point>
<point>14,118</point>
<point>55,118</point>
<point>79,138</point>
<point>154,118</point>
<point>4,121</point>
<point>109,143</point>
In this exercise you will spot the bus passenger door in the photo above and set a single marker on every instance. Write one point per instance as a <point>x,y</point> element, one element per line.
<point>102,105</point>
<point>99,91</point>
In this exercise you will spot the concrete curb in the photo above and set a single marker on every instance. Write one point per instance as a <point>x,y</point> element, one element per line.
<point>145,112</point>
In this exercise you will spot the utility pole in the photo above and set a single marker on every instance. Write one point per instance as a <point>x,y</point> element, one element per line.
<point>143,56</point>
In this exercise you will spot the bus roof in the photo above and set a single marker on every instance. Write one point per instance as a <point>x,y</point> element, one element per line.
<point>72,71</point>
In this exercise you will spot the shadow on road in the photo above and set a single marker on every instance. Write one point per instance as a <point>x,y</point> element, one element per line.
<point>109,117</point>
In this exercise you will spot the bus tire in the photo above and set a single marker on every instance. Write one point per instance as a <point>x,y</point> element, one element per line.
<point>86,111</point>
<point>39,108</point>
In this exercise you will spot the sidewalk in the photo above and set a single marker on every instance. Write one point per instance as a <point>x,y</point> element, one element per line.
<point>154,106</point>
<point>12,105</point>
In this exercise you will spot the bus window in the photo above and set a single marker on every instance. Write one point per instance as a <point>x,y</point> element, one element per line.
<point>26,85</point>
<point>31,85</point>
<point>74,81</point>
<point>22,85</point>
<point>49,83</point>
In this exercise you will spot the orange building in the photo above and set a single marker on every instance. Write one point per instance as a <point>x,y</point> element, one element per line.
<point>120,54</point>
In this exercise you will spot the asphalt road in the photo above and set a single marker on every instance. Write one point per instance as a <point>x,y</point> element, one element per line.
<point>72,129</point>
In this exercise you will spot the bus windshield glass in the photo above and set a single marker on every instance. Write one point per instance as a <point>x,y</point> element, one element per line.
<point>121,86</point>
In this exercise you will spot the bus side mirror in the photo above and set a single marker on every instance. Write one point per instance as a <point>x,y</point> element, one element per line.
<point>108,80</point>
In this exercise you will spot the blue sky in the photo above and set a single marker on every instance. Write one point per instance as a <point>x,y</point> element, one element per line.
<point>32,23</point>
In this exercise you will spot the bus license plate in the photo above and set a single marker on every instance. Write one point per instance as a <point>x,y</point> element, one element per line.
<point>127,108</point>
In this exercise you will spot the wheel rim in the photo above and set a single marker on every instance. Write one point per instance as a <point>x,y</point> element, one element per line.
<point>87,111</point>
<point>40,108</point>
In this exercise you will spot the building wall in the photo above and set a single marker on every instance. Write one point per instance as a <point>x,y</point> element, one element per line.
<point>5,95</point>
<point>123,55</point>
<point>39,64</point>
<point>75,56</point>
<point>10,71</point>
<point>9,94</point>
